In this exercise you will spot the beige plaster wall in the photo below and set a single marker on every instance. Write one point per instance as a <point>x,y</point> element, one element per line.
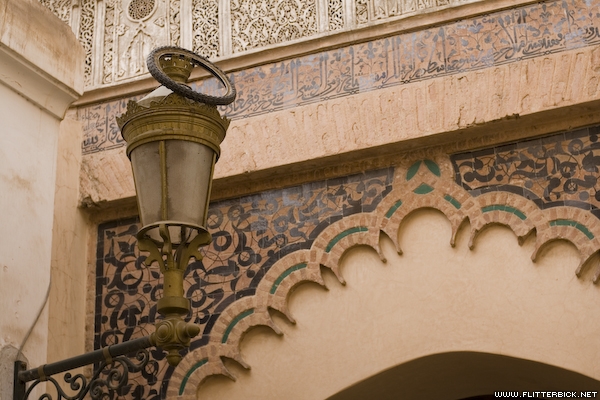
<point>519,95</point>
<point>67,310</point>
<point>40,57</point>
<point>41,70</point>
<point>28,173</point>
<point>432,299</point>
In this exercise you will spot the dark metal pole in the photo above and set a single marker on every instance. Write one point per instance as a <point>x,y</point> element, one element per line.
<point>19,388</point>
<point>105,354</point>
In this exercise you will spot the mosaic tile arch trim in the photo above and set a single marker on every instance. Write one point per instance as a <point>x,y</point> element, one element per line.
<point>250,234</point>
<point>424,184</point>
<point>499,38</point>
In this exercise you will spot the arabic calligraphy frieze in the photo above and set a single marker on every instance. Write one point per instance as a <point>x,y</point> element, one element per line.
<point>249,235</point>
<point>484,41</point>
<point>557,170</point>
<point>99,124</point>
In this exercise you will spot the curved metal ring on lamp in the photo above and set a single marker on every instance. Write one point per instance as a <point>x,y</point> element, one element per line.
<point>180,88</point>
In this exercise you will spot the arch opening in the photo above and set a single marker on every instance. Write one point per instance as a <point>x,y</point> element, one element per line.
<point>467,376</point>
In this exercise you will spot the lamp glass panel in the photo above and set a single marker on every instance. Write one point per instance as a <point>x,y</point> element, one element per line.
<point>189,177</point>
<point>145,161</point>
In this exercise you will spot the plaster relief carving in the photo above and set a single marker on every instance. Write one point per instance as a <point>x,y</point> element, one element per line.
<point>133,61</point>
<point>132,28</point>
<point>373,10</point>
<point>140,10</point>
<point>61,8</point>
<point>448,50</point>
<point>205,17</point>
<point>174,22</point>
<point>335,11</point>
<point>250,24</point>
<point>109,32</point>
<point>258,23</point>
<point>86,35</point>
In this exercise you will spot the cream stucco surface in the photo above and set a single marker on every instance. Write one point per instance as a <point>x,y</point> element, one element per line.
<point>39,56</point>
<point>67,311</point>
<point>28,172</point>
<point>40,75</point>
<point>432,299</point>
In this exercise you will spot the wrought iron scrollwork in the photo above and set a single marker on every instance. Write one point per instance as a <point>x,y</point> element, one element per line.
<point>77,383</point>
<point>107,380</point>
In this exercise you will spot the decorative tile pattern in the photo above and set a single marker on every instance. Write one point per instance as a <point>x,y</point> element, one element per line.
<point>485,41</point>
<point>125,292</point>
<point>265,244</point>
<point>557,170</point>
<point>515,211</point>
<point>250,235</point>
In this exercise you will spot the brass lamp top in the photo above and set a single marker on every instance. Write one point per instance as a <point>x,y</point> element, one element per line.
<point>177,68</point>
<point>172,67</point>
<point>166,115</point>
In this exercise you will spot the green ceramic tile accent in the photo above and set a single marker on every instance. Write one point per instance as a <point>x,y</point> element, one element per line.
<point>412,170</point>
<point>284,275</point>
<point>393,209</point>
<point>569,222</point>
<point>342,235</point>
<point>189,373</point>
<point>423,189</point>
<point>433,167</point>
<point>234,322</point>
<point>502,207</point>
<point>452,201</point>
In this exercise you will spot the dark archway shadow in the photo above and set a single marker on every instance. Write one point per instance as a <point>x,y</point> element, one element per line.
<point>461,375</point>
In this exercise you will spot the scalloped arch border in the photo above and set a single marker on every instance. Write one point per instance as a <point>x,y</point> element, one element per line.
<point>424,184</point>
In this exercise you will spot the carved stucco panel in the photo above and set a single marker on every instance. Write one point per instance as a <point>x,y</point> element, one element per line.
<point>214,28</point>
<point>205,30</point>
<point>175,22</point>
<point>61,8</point>
<point>335,13</point>
<point>374,10</point>
<point>259,23</point>
<point>86,35</point>
<point>132,28</point>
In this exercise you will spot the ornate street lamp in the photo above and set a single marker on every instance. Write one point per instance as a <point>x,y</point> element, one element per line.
<point>173,140</point>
